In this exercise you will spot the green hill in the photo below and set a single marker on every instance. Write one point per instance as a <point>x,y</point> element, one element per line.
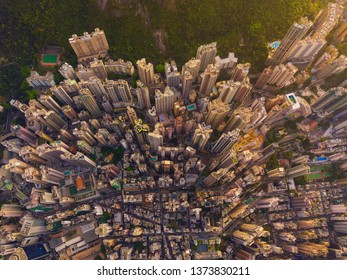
<point>150,28</point>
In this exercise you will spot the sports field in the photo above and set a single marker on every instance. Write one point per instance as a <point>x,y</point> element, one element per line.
<point>50,58</point>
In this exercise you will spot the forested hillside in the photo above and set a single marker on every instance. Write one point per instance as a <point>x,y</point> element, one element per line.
<point>156,29</point>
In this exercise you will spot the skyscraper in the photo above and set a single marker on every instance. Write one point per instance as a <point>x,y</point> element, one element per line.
<point>335,67</point>
<point>242,91</point>
<point>89,45</point>
<point>187,80</point>
<point>62,95</point>
<point>326,20</point>
<point>341,32</point>
<point>50,103</point>
<point>24,134</point>
<point>201,135</point>
<point>240,72</point>
<point>305,51</point>
<point>29,154</point>
<point>240,118</point>
<point>193,67</point>
<point>334,99</point>
<point>293,36</point>
<point>119,66</point>
<point>123,91</point>
<point>98,68</point>
<point>142,94</point>
<point>156,138</point>
<point>37,81</point>
<point>96,87</point>
<point>206,54</point>
<point>172,74</point>
<point>208,81</point>
<point>164,101</point>
<point>278,77</point>
<point>146,72</point>
<point>70,112</point>
<point>217,111</point>
<point>227,90</point>
<point>67,71</point>
<point>226,141</point>
<point>89,102</point>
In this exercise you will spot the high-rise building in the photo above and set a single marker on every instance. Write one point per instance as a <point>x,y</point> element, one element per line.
<point>11,211</point>
<point>53,120</point>
<point>37,81</point>
<point>94,123</point>
<point>335,67</point>
<point>281,75</point>
<point>51,175</point>
<point>193,67</point>
<point>326,20</point>
<point>240,72</point>
<point>226,141</point>
<point>172,74</point>
<point>313,249</point>
<point>70,86</point>
<point>298,171</point>
<point>305,51</point>
<point>17,166</point>
<point>84,73</point>
<point>228,159</point>
<point>98,67</point>
<point>89,102</point>
<point>119,66</point>
<point>50,103</point>
<point>201,135</point>
<point>187,80</point>
<point>206,54</point>
<point>107,105</point>
<point>225,63</point>
<point>242,91</point>
<point>85,136</point>
<point>240,118</point>
<point>124,92</point>
<point>142,94</point>
<point>67,71</point>
<point>155,139</point>
<point>78,159</point>
<point>62,95</point>
<point>209,80</point>
<point>164,101</point>
<point>227,90</point>
<point>85,147</point>
<point>332,100</point>
<point>341,32</point>
<point>89,45</point>
<point>297,31</point>
<point>32,226</point>
<point>263,78</point>
<point>70,112</point>
<point>146,72</point>
<point>29,154</point>
<point>141,131</point>
<point>96,87</point>
<point>13,145</point>
<point>217,111</point>
<point>178,126</point>
<point>24,134</point>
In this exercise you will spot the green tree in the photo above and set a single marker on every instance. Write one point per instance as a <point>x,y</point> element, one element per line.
<point>160,68</point>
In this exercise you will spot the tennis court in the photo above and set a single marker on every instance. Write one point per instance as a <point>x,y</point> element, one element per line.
<point>50,58</point>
